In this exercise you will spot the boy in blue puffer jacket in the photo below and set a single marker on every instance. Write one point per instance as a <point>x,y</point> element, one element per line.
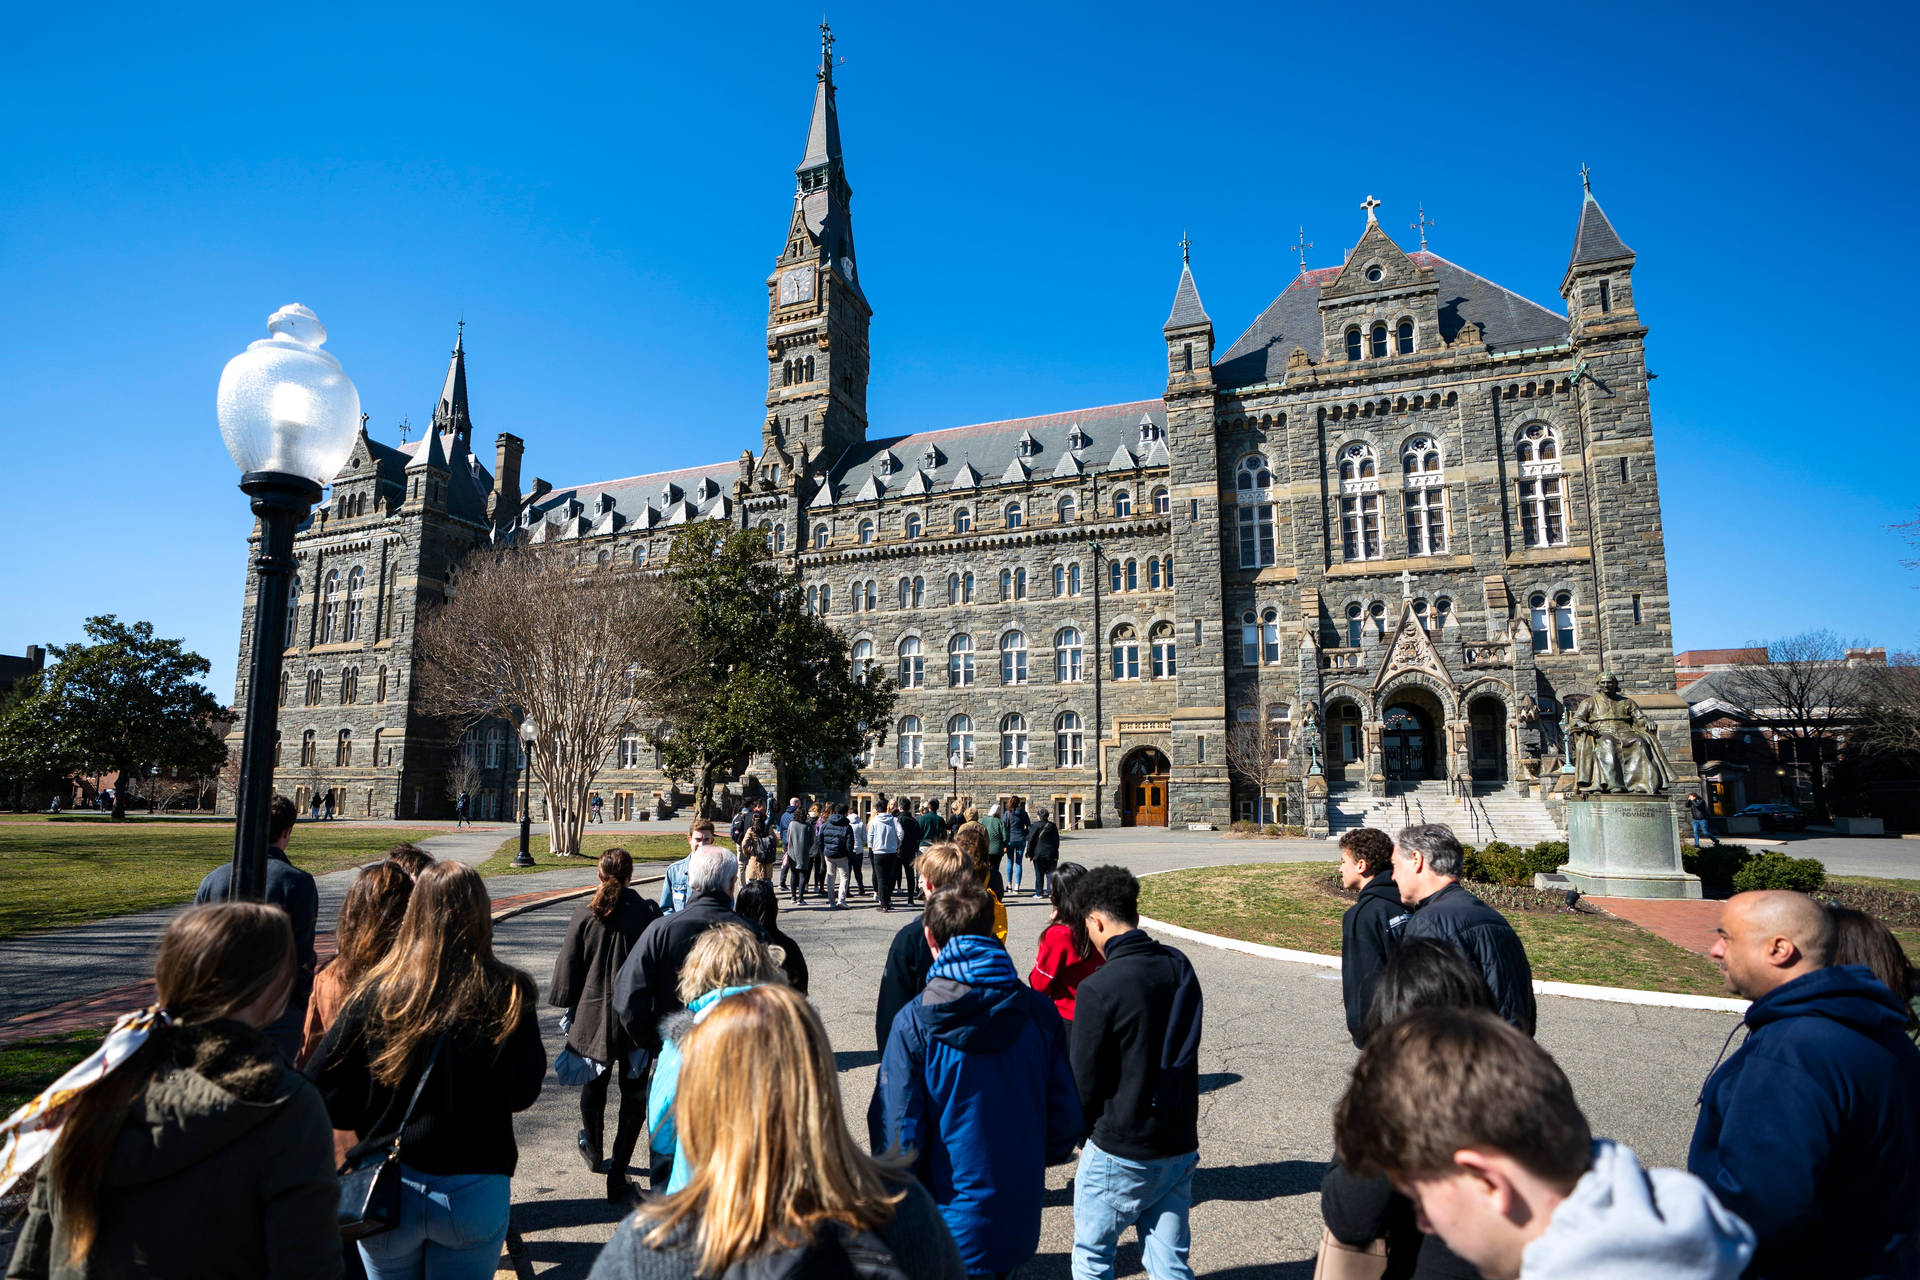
<point>976,1084</point>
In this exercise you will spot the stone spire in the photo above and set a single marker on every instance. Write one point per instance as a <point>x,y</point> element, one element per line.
<point>450,415</point>
<point>1187,310</point>
<point>1594,240</point>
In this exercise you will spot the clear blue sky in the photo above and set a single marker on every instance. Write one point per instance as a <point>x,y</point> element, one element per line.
<point>601,190</point>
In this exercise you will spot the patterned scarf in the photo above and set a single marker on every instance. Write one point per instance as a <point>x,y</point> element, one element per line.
<point>30,1132</point>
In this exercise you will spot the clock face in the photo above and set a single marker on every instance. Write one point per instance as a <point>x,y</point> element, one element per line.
<point>796,285</point>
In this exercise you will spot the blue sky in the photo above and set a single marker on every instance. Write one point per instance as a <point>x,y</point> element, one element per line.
<point>601,190</point>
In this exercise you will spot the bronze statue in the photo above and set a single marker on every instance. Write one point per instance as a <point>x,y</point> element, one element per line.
<point>1615,747</point>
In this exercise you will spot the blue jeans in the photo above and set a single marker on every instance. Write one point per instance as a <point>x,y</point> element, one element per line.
<point>1153,1196</point>
<point>452,1226</point>
<point>1014,854</point>
<point>1701,833</point>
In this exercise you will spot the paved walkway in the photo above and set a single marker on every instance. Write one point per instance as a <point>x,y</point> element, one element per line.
<point>1685,922</point>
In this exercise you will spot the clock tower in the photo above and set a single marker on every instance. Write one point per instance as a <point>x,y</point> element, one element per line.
<point>817,316</point>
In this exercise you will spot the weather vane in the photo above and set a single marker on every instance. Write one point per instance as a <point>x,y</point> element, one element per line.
<point>1422,224</point>
<point>1300,247</point>
<point>1186,247</point>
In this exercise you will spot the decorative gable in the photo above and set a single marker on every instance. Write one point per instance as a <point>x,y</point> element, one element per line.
<point>916,484</point>
<point>1016,472</point>
<point>1376,264</point>
<point>823,498</point>
<point>1069,465</point>
<point>870,491</point>
<point>965,478</point>
<point>1122,460</point>
<point>1411,649</point>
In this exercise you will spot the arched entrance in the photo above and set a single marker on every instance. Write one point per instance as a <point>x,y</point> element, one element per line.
<point>1143,789</point>
<point>1412,747</point>
<point>1487,739</point>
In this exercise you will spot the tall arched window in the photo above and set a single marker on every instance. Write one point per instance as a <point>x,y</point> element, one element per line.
<point>809,377</point>
<point>1420,615</point>
<point>605,561</point>
<point>1249,639</point>
<point>1162,502</point>
<point>872,601</point>
<point>1067,660</point>
<point>376,759</point>
<point>1354,350</point>
<point>962,520</point>
<point>1353,626</point>
<point>820,535</point>
<point>1563,637</point>
<point>1537,622</point>
<point>640,556</point>
<point>1015,515</point>
<point>330,607</point>
<point>913,526</point>
<point>866,532</point>
<point>1442,610</point>
<point>779,539</point>
<point>1253,488</point>
<point>1379,339</point>
<point>1013,741</point>
<point>906,593</point>
<point>1066,509</point>
<point>919,592</point>
<point>1069,741</point>
<point>1113,576</point>
<point>293,615</point>
<point>1404,337</point>
<point>960,661</point>
<point>1160,640</point>
<point>1425,498</point>
<point>1126,653</point>
<point>1013,584</point>
<point>1122,503</point>
<point>1377,614</point>
<point>1013,658</point>
<point>349,686</point>
<point>496,745</point>
<point>1270,635</point>
<point>628,749</point>
<point>307,749</point>
<point>953,588</point>
<point>343,749</point>
<point>960,738</point>
<point>966,587</point>
<point>313,688</point>
<point>1542,488</point>
<point>913,663</point>
<point>862,659</point>
<point>1133,575</point>
<point>284,686</point>
<point>911,743</point>
<point>1359,503</point>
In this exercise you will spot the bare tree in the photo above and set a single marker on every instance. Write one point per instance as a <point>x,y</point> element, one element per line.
<point>1887,713</point>
<point>554,648</point>
<point>1803,690</point>
<point>464,775</point>
<point>1251,756</point>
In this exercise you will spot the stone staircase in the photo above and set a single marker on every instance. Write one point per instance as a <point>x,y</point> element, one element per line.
<point>1496,812</point>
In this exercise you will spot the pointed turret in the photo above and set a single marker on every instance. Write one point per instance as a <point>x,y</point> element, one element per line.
<point>450,414</point>
<point>1595,240</point>
<point>1598,286</point>
<point>824,193</point>
<point>1187,309</point>
<point>1188,330</point>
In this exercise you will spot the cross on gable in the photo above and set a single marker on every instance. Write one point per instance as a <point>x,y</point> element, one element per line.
<point>1406,584</point>
<point>1370,205</point>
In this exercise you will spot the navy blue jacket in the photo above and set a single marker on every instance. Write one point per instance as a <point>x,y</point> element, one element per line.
<point>975,1083</point>
<point>836,837</point>
<point>1483,934</point>
<point>294,892</point>
<point>1811,1130</point>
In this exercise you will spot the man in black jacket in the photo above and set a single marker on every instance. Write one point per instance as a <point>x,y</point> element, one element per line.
<point>1426,868</point>
<point>836,847</point>
<point>1043,850</point>
<point>294,892</point>
<point>908,957</point>
<point>1371,928</point>
<point>1136,1063</point>
<point>910,846</point>
<point>648,987</point>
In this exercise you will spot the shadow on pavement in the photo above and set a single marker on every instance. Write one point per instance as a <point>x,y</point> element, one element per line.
<point>1211,1080</point>
<point>1268,1181</point>
<point>854,1059</point>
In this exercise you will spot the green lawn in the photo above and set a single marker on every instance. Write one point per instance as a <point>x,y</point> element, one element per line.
<point>651,847</point>
<point>1293,905</point>
<point>64,873</point>
<point>28,1066</point>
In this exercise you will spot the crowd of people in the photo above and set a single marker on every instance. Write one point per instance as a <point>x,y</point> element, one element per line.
<point>358,1117</point>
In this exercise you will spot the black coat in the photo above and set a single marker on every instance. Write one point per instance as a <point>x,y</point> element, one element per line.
<point>836,837</point>
<point>585,971</point>
<point>1361,1210</point>
<point>1369,932</point>
<point>909,839</point>
<point>1483,934</point>
<point>1043,844</point>
<point>648,987</point>
<point>803,842</point>
<point>1136,1050</point>
<point>905,977</point>
<point>294,892</point>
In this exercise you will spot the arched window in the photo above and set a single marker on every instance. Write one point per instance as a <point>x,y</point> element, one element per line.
<point>376,759</point>
<point>1404,337</point>
<point>1122,503</point>
<point>1013,658</point>
<point>1442,610</point>
<point>1425,501</point>
<point>284,686</point>
<point>1162,502</point>
<point>1013,741</point>
<point>1113,577</point>
<point>1066,509</point>
<point>1542,488</point>
<point>1166,572</point>
<point>826,597</point>
<point>913,525</point>
<point>605,560</point>
<point>1563,638</point>
<point>343,749</point>
<point>1133,576</point>
<point>1354,351</point>
<point>313,688</point>
<point>862,659</point>
<point>1353,626</point>
<point>953,588</point>
<point>1067,662</point>
<point>1360,505</point>
<point>1249,639</point>
<point>1270,635</point>
<point>293,616</point>
<point>1280,729</point>
<point>809,377</point>
<point>349,686</point>
<point>1153,573</point>
<point>1421,458</point>
<point>872,594</point>
<point>1069,741</point>
<point>906,593</point>
<point>330,607</point>
<point>1161,642</point>
<point>307,749</point>
<point>1379,339</point>
<point>1537,622</point>
<point>913,663</point>
<point>911,743</point>
<point>1253,485</point>
<point>786,373</point>
<point>962,520</point>
<point>919,592</point>
<point>779,539</point>
<point>629,751</point>
<point>966,587</point>
<point>1357,463</point>
<point>1377,613</point>
<point>640,554</point>
<point>853,594</point>
<point>1019,585</point>
<point>1015,517</point>
<point>960,738</point>
<point>960,661</point>
<point>1126,653</point>
<point>1420,615</point>
<point>866,532</point>
<point>820,535</point>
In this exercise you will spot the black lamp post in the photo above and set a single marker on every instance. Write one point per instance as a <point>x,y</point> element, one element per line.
<point>288,414</point>
<point>524,858</point>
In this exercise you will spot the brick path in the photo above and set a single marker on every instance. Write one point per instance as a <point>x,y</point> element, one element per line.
<point>1685,922</point>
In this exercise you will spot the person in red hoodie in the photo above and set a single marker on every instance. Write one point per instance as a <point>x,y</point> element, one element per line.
<point>1066,954</point>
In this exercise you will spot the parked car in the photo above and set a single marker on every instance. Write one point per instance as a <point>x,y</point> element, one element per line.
<point>1775,817</point>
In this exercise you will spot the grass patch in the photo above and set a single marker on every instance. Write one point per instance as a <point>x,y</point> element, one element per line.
<point>662,847</point>
<point>1877,882</point>
<point>59,874</point>
<point>28,1066</point>
<point>1297,906</point>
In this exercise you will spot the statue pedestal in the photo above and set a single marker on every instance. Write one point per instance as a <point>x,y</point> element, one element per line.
<point>1625,846</point>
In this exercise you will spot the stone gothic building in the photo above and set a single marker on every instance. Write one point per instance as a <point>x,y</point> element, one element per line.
<point>1406,509</point>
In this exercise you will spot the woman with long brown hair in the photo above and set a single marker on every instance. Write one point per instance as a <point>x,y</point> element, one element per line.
<point>780,1177</point>
<point>599,938</point>
<point>443,1007</point>
<point>187,1115</point>
<point>369,921</point>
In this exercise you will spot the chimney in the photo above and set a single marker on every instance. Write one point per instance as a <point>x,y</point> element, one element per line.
<point>36,657</point>
<point>540,490</point>
<point>505,500</point>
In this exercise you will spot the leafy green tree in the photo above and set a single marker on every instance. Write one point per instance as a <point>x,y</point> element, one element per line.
<point>745,669</point>
<point>122,702</point>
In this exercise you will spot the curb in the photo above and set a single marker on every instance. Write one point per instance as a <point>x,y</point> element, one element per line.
<point>1566,990</point>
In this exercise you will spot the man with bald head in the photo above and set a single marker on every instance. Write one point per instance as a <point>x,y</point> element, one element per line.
<point>1811,1130</point>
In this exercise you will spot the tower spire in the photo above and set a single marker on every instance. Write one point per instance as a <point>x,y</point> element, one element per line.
<point>451,415</point>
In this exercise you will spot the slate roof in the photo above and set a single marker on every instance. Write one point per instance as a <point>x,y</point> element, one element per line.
<point>1292,320</point>
<point>1595,240</point>
<point>470,481</point>
<point>651,501</point>
<point>1186,303</point>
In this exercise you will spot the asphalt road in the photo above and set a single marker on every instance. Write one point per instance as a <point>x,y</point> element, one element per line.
<point>1274,1058</point>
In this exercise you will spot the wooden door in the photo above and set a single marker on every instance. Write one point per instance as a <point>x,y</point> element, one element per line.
<point>1149,800</point>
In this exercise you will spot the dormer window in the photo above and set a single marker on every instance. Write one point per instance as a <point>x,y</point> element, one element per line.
<point>1028,445</point>
<point>930,459</point>
<point>1078,439</point>
<point>1149,430</point>
<point>886,465</point>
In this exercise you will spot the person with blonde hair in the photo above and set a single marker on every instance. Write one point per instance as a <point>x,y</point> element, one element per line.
<point>442,1008</point>
<point>185,1146</point>
<point>780,1185</point>
<point>726,959</point>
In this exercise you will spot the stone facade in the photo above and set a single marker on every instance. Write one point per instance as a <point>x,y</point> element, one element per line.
<point>1406,505</point>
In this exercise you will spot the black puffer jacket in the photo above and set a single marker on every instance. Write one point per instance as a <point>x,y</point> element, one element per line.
<point>648,986</point>
<point>1456,916</point>
<point>585,971</point>
<point>836,837</point>
<point>1369,932</point>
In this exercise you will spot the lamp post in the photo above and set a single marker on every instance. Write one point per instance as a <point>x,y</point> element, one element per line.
<point>288,414</point>
<point>524,858</point>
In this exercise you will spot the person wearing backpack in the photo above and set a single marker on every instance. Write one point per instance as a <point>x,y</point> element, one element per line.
<point>789,1195</point>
